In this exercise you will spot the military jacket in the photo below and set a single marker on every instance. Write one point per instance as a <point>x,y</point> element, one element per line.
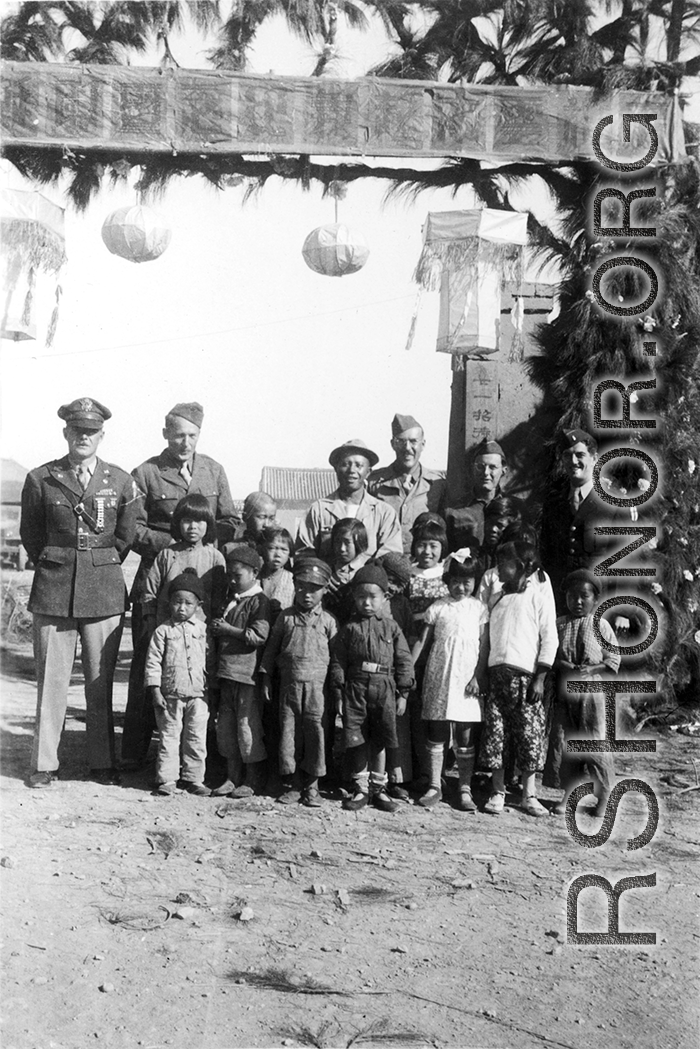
<point>77,559</point>
<point>569,541</point>
<point>428,492</point>
<point>163,487</point>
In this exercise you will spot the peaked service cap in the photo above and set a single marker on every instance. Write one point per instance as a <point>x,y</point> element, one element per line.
<point>85,411</point>
<point>312,570</point>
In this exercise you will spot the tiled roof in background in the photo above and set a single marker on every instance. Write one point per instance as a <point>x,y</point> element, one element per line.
<point>296,487</point>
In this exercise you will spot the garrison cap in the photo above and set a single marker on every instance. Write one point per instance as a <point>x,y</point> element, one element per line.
<point>400,423</point>
<point>190,410</point>
<point>489,448</point>
<point>571,437</point>
<point>312,570</point>
<point>85,411</point>
<point>245,555</point>
<point>188,580</point>
<point>353,446</point>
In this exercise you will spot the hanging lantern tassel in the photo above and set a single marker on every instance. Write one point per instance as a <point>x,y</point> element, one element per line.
<point>136,233</point>
<point>414,319</point>
<point>335,250</point>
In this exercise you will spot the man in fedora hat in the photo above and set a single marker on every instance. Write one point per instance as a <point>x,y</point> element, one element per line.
<point>406,485</point>
<point>352,462</point>
<point>78,521</point>
<point>179,470</point>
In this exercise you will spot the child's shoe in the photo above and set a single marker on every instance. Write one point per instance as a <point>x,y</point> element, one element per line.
<point>254,781</point>
<point>311,797</point>
<point>198,789</point>
<point>359,799</point>
<point>560,808</point>
<point>383,802</point>
<point>533,807</point>
<point>496,803</point>
<point>166,789</point>
<point>465,801</point>
<point>290,791</point>
<point>398,792</point>
<point>431,798</point>
<point>227,788</point>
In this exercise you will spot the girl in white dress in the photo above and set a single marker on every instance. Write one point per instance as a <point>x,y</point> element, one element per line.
<point>455,634</point>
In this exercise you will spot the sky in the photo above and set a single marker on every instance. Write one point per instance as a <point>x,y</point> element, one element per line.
<point>287,363</point>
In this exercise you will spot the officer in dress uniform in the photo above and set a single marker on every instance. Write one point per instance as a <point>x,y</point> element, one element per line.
<point>164,479</point>
<point>568,539</point>
<point>78,521</point>
<point>407,486</point>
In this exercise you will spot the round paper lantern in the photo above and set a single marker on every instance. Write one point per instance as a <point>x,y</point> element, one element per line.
<point>136,233</point>
<point>335,250</point>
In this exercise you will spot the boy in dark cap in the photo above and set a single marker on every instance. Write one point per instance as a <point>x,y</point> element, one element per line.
<point>300,648</point>
<point>371,674</point>
<point>175,676</point>
<point>240,635</point>
<point>580,715</point>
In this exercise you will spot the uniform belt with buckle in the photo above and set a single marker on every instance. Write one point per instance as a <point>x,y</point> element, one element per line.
<point>81,541</point>
<point>374,668</point>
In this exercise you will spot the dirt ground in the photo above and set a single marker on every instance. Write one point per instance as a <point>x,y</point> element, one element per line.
<point>133,920</point>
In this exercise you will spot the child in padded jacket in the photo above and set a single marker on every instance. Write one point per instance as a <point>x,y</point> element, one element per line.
<point>240,636</point>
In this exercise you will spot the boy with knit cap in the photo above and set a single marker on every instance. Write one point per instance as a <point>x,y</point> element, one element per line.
<point>300,649</point>
<point>241,633</point>
<point>371,674</point>
<point>176,679</point>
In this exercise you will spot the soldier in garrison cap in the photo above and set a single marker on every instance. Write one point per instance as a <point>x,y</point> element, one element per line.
<point>568,538</point>
<point>406,485</point>
<point>300,650</point>
<point>179,470</point>
<point>352,462</point>
<point>78,521</point>
<point>487,469</point>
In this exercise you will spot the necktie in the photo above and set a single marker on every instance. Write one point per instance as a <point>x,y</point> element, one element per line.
<point>185,474</point>
<point>83,475</point>
<point>575,499</point>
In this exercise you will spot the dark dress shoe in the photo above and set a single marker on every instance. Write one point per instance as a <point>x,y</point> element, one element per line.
<point>106,777</point>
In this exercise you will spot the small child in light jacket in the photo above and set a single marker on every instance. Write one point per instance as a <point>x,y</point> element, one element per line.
<point>176,677</point>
